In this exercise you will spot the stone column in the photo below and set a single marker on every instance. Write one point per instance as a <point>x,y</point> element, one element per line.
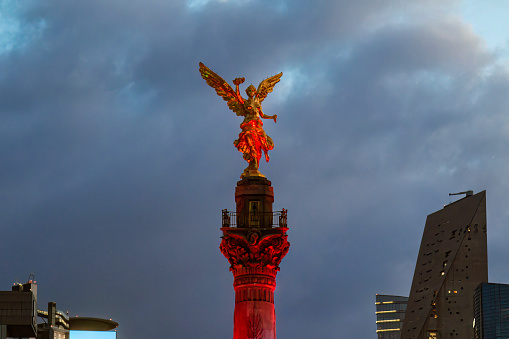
<point>254,244</point>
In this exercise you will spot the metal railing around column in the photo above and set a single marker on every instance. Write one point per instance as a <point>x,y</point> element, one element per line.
<point>255,219</point>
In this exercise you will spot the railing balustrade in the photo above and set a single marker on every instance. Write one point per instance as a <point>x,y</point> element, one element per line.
<point>255,219</point>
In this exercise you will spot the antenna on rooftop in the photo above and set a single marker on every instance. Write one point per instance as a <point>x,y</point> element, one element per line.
<point>31,277</point>
<point>467,193</point>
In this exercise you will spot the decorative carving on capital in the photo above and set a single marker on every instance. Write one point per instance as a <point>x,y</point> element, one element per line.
<point>254,250</point>
<point>248,279</point>
<point>253,237</point>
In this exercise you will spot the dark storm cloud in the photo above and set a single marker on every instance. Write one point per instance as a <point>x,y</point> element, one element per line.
<point>117,158</point>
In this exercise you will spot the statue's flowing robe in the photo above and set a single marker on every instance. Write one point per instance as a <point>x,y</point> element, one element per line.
<point>252,140</point>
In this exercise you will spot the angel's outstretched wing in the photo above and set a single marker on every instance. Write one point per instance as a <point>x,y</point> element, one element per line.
<point>223,89</point>
<point>267,85</point>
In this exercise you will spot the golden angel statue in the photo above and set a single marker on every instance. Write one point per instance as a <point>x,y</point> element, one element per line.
<point>252,139</point>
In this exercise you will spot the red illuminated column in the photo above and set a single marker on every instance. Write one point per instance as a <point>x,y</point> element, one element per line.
<point>254,242</point>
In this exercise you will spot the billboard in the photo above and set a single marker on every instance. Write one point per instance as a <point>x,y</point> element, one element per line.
<point>92,335</point>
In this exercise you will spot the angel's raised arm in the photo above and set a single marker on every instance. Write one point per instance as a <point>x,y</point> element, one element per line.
<point>237,82</point>
<point>223,89</point>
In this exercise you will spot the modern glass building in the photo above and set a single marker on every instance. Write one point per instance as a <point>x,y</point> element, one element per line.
<point>390,313</point>
<point>491,311</point>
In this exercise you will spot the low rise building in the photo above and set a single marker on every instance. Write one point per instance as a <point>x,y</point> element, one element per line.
<point>390,314</point>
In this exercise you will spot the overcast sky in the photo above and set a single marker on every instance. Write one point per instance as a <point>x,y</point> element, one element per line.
<point>116,158</point>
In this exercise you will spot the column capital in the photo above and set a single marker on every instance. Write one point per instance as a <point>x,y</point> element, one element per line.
<point>254,251</point>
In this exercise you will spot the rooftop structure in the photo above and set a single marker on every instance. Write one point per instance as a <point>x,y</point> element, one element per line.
<point>56,325</point>
<point>18,311</point>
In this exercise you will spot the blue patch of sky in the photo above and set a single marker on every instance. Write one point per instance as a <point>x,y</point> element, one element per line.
<point>15,32</point>
<point>293,77</point>
<point>489,19</point>
<point>92,335</point>
<point>196,4</point>
<point>278,5</point>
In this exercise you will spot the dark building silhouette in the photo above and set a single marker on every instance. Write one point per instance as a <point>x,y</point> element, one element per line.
<point>18,317</point>
<point>491,311</point>
<point>390,313</point>
<point>452,262</point>
<point>18,311</point>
